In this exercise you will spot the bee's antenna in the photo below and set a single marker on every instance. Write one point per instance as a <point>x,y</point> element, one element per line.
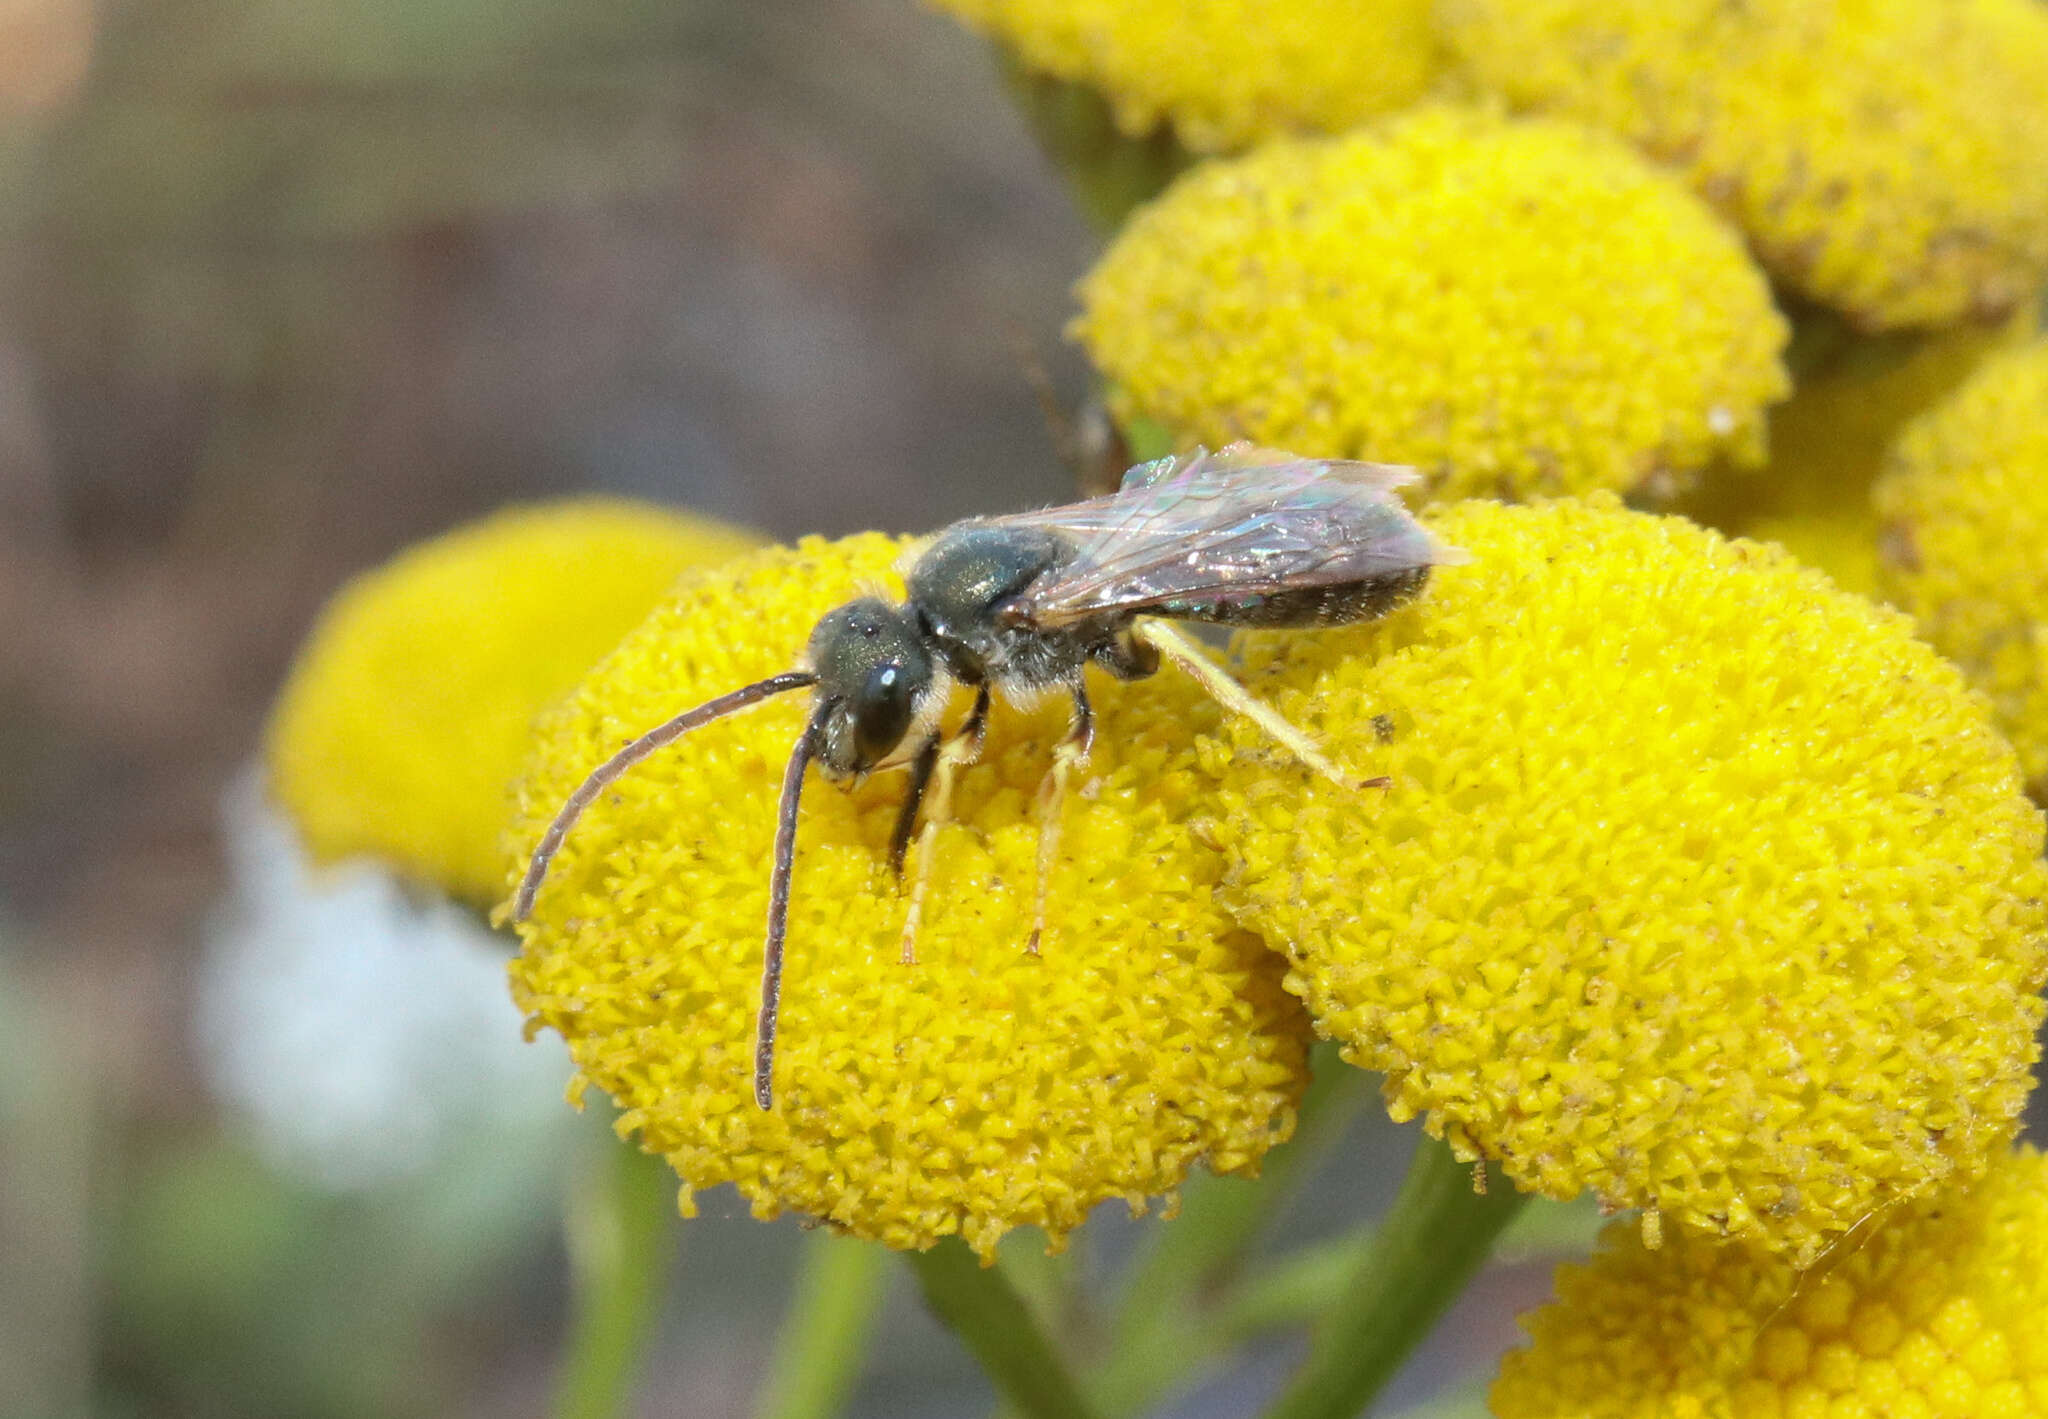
<point>778,904</point>
<point>602,776</point>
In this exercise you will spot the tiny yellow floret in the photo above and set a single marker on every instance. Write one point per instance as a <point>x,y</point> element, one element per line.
<point>1933,1308</point>
<point>1227,73</point>
<point>1514,307</point>
<point>410,709</point>
<point>1965,511</point>
<point>1701,884</point>
<point>1883,158</point>
<point>981,1088</point>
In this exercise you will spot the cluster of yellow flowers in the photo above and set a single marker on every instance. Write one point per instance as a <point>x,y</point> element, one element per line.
<point>1965,507</point>
<point>411,708</point>
<point>1933,1312</point>
<point>1683,841</point>
<point>1703,883</point>
<point>1346,298</point>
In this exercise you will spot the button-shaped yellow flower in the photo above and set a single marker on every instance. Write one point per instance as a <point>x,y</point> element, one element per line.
<point>1226,73</point>
<point>1965,508</point>
<point>1884,159</point>
<point>1933,1310</point>
<point>981,1088</point>
<point>410,709</point>
<point>1512,307</point>
<point>1852,396</point>
<point>1701,884</point>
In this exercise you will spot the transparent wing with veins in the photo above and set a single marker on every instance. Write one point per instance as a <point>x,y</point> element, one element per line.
<point>1225,527</point>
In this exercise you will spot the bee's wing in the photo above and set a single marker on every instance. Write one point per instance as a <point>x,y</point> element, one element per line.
<point>1241,522</point>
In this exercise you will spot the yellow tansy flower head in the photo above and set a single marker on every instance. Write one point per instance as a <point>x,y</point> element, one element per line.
<point>1851,397</point>
<point>1965,506</point>
<point>982,1088</point>
<point>409,712</point>
<point>1884,159</point>
<point>1934,1311</point>
<point>1227,73</point>
<point>1701,884</point>
<point>1512,307</point>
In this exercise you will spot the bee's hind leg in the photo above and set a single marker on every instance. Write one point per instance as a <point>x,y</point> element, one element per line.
<point>1067,755</point>
<point>1183,652</point>
<point>960,749</point>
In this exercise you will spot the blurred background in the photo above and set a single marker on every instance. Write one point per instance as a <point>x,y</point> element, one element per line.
<point>284,288</point>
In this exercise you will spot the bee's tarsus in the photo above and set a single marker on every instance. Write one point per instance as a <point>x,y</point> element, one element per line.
<point>1069,753</point>
<point>1184,652</point>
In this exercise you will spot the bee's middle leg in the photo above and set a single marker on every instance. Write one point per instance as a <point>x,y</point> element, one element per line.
<point>1067,755</point>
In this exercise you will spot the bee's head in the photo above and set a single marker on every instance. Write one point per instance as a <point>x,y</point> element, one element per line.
<point>874,675</point>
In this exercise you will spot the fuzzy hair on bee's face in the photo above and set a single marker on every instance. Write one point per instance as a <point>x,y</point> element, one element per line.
<point>877,678</point>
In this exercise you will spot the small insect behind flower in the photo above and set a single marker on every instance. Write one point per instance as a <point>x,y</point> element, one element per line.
<point>1022,604</point>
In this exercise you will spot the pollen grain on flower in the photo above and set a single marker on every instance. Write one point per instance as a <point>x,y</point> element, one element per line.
<point>1229,74</point>
<point>1883,159</point>
<point>1701,885</point>
<point>409,711</point>
<point>1964,506</point>
<point>978,1090</point>
<point>1932,1309</point>
<point>1514,307</point>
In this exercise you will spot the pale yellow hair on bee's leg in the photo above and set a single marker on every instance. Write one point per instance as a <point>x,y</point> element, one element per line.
<point>1172,645</point>
<point>960,749</point>
<point>1067,755</point>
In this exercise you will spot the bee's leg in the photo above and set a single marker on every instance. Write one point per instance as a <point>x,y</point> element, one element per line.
<point>906,816</point>
<point>1069,753</point>
<point>1126,657</point>
<point>961,748</point>
<point>1184,653</point>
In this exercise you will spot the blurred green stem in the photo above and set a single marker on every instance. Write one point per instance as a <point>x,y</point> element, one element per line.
<point>824,1339</point>
<point>1108,171</point>
<point>980,1306</point>
<point>1200,1249</point>
<point>1427,1247</point>
<point>620,1230</point>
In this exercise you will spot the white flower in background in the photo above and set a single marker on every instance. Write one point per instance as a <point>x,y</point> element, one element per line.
<point>359,1029</point>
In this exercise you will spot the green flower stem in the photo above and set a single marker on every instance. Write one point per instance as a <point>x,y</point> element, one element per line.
<point>620,1230</point>
<point>1108,171</point>
<point>818,1356</point>
<point>1306,1285</point>
<point>1298,1289</point>
<point>1426,1248</point>
<point>981,1307</point>
<point>1201,1248</point>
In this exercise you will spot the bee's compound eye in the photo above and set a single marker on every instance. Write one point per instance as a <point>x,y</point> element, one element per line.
<point>883,710</point>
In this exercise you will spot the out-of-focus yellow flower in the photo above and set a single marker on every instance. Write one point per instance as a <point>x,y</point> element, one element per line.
<point>1934,1313</point>
<point>1884,159</point>
<point>1965,507</point>
<point>1702,884</point>
<point>410,710</point>
<point>978,1090</point>
<point>1228,73</point>
<point>1851,396</point>
<point>1512,307</point>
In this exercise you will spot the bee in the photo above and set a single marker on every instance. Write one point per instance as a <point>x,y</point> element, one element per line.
<point>1021,605</point>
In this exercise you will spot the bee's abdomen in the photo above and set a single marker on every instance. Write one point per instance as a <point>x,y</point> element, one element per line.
<point>1305,607</point>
